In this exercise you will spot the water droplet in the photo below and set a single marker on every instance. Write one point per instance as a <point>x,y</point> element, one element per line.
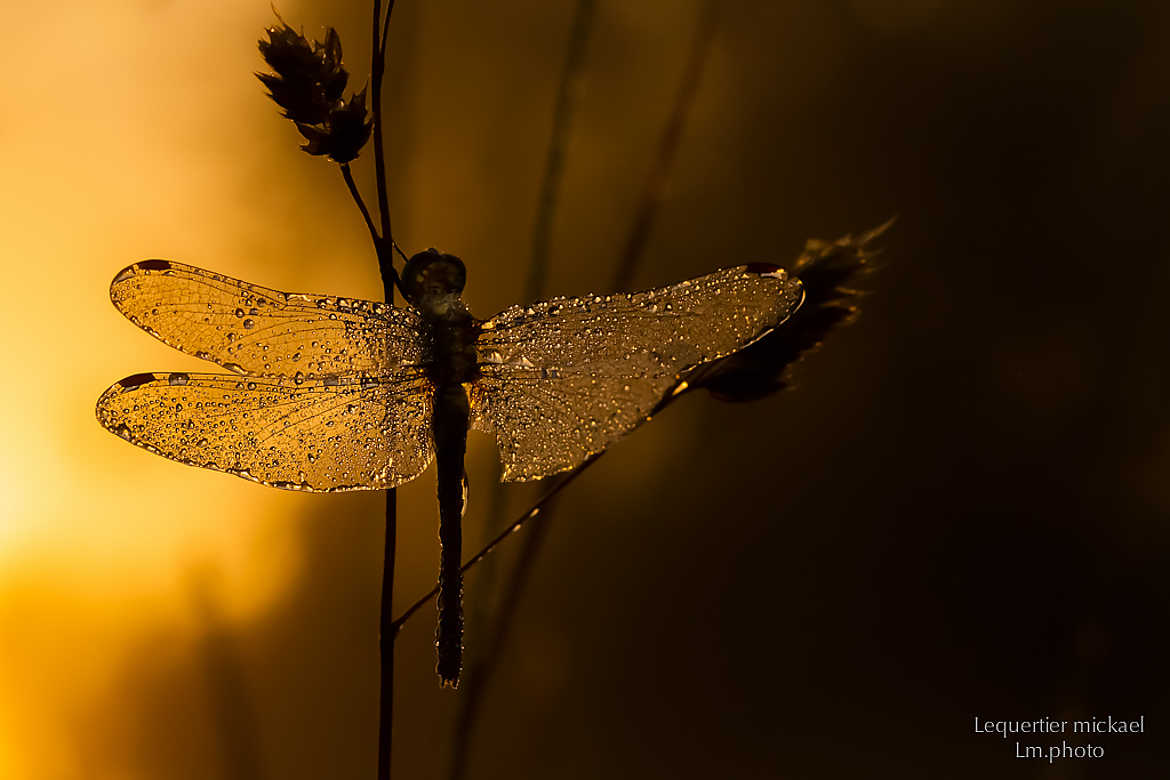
<point>179,378</point>
<point>249,323</point>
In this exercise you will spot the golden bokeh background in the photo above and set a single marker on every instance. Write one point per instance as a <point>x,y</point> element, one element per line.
<point>961,510</point>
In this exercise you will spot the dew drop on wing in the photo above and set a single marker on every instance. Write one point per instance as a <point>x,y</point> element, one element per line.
<point>178,378</point>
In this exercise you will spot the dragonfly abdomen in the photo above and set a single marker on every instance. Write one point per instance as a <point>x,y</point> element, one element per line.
<point>450,429</point>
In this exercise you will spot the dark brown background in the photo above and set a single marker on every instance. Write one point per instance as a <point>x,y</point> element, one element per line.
<point>961,510</point>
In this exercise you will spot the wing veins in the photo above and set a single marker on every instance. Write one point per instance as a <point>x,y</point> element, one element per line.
<point>363,394</point>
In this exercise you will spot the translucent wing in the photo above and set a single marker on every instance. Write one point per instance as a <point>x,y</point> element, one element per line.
<point>565,378</point>
<point>358,432</point>
<point>255,330</point>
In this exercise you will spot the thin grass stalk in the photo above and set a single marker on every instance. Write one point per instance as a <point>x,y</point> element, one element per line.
<point>832,306</point>
<point>351,185</point>
<point>568,95</point>
<point>383,247</point>
<point>536,510</point>
<point>377,70</point>
<point>654,189</point>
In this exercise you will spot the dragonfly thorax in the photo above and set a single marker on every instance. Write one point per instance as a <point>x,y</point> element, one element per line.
<point>432,282</point>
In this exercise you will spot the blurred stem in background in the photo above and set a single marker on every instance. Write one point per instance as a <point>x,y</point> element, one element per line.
<point>825,268</point>
<point>653,191</point>
<point>498,613</point>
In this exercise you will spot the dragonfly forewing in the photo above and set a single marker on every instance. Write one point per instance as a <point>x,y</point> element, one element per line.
<point>563,379</point>
<point>251,329</point>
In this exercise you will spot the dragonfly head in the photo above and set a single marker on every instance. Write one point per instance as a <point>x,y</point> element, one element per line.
<point>431,278</point>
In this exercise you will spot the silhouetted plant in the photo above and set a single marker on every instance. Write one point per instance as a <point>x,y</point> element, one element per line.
<point>827,269</point>
<point>308,84</point>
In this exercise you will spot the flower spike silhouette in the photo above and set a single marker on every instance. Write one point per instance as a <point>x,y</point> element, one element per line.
<point>308,84</point>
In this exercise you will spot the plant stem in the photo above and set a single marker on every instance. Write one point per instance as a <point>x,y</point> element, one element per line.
<point>388,632</point>
<point>377,70</point>
<point>654,189</point>
<point>533,512</point>
<point>347,174</point>
<point>554,164</point>
<point>385,30</point>
<point>814,252</point>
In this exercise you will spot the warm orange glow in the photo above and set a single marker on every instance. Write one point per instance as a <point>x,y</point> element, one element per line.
<point>126,146</point>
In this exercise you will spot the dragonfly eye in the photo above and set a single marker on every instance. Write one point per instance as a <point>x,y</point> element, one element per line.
<point>430,274</point>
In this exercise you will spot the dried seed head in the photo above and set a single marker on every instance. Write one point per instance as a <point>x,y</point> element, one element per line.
<point>348,129</point>
<point>308,84</point>
<point>826,269</point>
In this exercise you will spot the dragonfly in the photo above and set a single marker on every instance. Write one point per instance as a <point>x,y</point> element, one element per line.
<point>325,393</point>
